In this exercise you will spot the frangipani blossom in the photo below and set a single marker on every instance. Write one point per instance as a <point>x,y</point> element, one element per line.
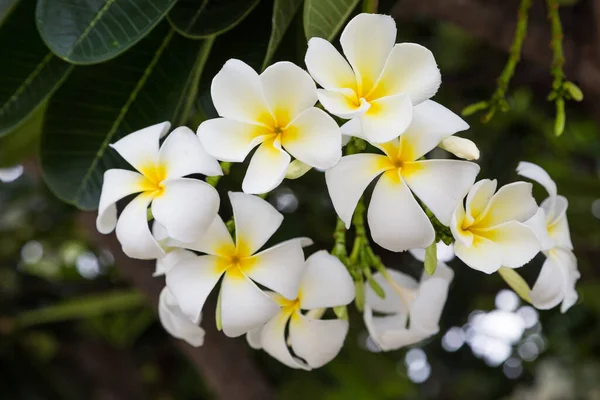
<point>185,207</point>
<point>559,274</point>
<point>381,81</point>
<point>396,220</point>
<point>176,323</point>
<point>244,305</point>
<point>490,232</point>
<point>172,254</point>
<point>411,310</point>
<point>276,110</point>
<point>325,283</point>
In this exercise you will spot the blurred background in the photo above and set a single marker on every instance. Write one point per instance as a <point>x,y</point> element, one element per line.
<point>78,319</point>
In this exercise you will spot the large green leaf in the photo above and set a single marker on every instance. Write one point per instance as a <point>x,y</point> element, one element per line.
<point>92,31</point>
<point>324,18</point>
<point>29,72</point>
<point>153,82</point>
<point>198,19</point>
<point>283,13</point>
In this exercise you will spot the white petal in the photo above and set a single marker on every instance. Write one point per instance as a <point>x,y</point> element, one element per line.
<point>367,41</point>
<point>267,168</point>
<point>237,93</point>
<point>460,147</point>
<point>279,268</point>
<point>325,282</point>
<point>396,339</point>
<point>387,118</point>
<point>547,292</point>
<point>351,128</point>
<point>347,181</point>
<point>392,302</point>
<point>243,305</point>
<point>456,222</point>
<point>314,138</point>
<point>511,202</point>
<point>426,310</point>
<point>445,252</point>
<point>378,326</point>
<point>274,343</point>
<point>431,123</point>
<point>186,208</point>
<point>538,174</point>
<point>140,148</point>
<point>230,140</point>
<point>482,255</point>
<point>133,232</point>
<point>317,341</point>
<point>191,281</point>
<point>441,184</point>
<point>396,220</point>
<point>478,198</point>
<point>538,224</point>
<point>176,323</point>
<point>255,220</point>
<point>215,241</point>
<point>289,90</point>
<point>297,169</point>
<point>410,69</point>
<point>253,338</point>
<point>182,154</point>
<point>558,228</point>
<point>517,242</point>
<point>342,103</point>
<point>171,258</point>
<point>327,66</point>
<point>117,184</point>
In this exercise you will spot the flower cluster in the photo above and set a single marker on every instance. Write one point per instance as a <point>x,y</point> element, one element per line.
<point>294,307</point>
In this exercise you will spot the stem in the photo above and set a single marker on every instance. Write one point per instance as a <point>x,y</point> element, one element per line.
<point>558,59</point>
<point>370,6</point>
<point>516,282</point>
<point>339,235</point>
<point>214,180</point>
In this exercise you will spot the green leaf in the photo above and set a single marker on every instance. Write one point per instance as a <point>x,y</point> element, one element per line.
<point>29,72</point>
<point>516,282</point>
<point>283,13</point>
<point>324,18</point>
<point>93,31</point>
<point>431,258</point>
<point>156,81</point>
<point>23,141</point>
<point>197,19</point>
<point>359,300</point>
<point>559,122</point>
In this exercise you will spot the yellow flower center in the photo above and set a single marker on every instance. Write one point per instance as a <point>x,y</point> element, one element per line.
<point>235,260</point>
<point>154,175</point>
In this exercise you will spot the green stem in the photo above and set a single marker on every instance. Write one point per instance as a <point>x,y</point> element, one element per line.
<point>559,92</point>
<point>214,180</point>
<point>516,282</point>
<point>339,248</point>
<point>370,6</point>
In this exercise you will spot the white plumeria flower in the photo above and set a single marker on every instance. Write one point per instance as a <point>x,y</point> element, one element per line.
<point>444,252</point>
<point>244,305</point>
<point>396,220</point>
<point>559,274</point>
<point>176,323</point>
<point>411,310</point>
<point>172,254</point>
<point>185,207</point>
<point>381,81</point>
<point>490,232</point>
<point>325,283</point>
<point>276,110</point>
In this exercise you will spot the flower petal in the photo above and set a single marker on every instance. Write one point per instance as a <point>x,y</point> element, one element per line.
<point>243,305</point>
<point>456,222</point>
<point>237,93</point>
<point>411,69</point>
<point>176,323</point>
<point>538,174</point>
<point>431,123</point>
<point>558,228</point>
<point>288,90</point>
<point>279,268</point>
<point>186,208</point>
<point>325,283</point>
<point>478,198</point>
<point>118,183</point>
<point>547,292</point>
<point>426,310</point>
<point>378,326</point>
<point>351,128</point>
<point>387,118</point>
<point>396,339</point>
<point>216,240</point>
<point>253,338</point>
<point>482,255</point>
<point>230,140</point>
<point>392,302</point>
<point>171,258</point>
<point>440,184</point>
<point>367,41</point>
<point>349,178</point>
<point>267,168</point>
<point>317,341</point>
<point>396,221</point>
<point>460,147</point>
<point>517,242</point>
<point>511,202</point>
<point>327,66</point>
<point>314,138</point>
<point>342,103</point>
<point>140,148</point>
<point>182,154</point>
<point>133,232</point>
<point>191,281</point>
<point>255,221</point>
<point>538,224</point>
<point>445,252</point>
<point>273,341</point>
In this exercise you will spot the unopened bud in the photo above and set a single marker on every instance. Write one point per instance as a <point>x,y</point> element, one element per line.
<point>296,169</point>
<point>460,147</point>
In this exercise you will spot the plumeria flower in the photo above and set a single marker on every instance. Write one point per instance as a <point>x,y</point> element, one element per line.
<point>325,283</point>
<point>396,220</point>
<point>244,305</point>
<point>410,311</point>
<point>185,207</point>
<point>172,253</point>
<point>490,232</point>
<point>559,274</point>
<point>176,323</point>
<point>381,81</point>
<point>444,252</point>
<point>276,110</point>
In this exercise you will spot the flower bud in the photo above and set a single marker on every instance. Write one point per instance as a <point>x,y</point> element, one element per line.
<point>460,147</point>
